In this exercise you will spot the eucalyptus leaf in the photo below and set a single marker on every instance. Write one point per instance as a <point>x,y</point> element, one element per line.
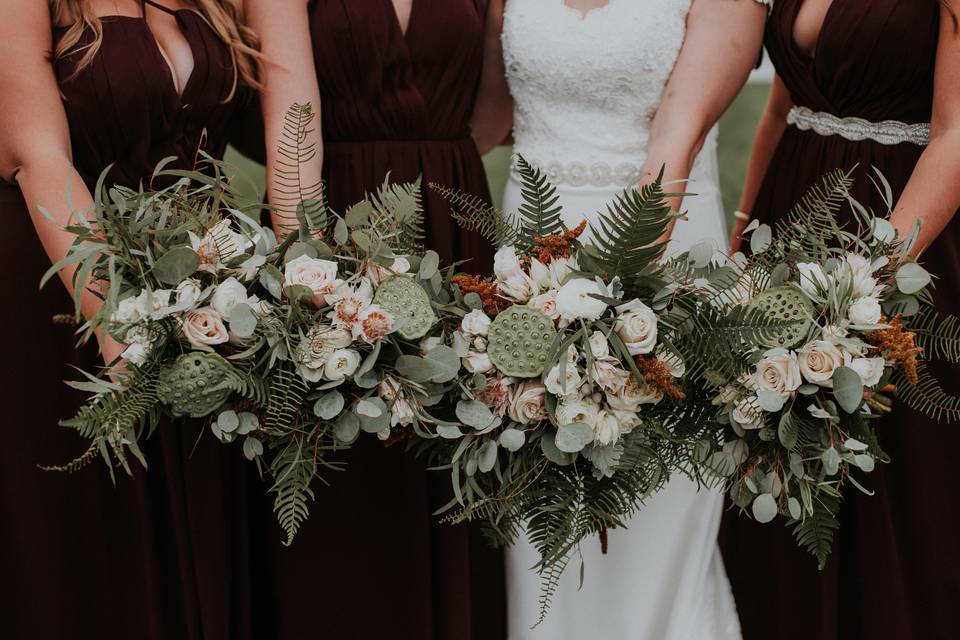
<point>847,389</point>
<point>373,423</point>
<point>369,408</point>
<point>512,439</point>
<point>176,265</point>
<point>329,405</point>
<point>445,363</point>
<point>367,379</point>
<point>764,508</point>
<point>252,448</point>
<point>831,461</point>
<point>793,505</point>
<point>701,253</point>
<point>228,421</point>
<point>474,413</point>
<point>487,456</point>
<point>415,368</point>
<point>548,445</point>
<point>787,430</point>
<point>340,232</point>
<point>473,300</point>
<point>449,433</point>
<point>428,265</point>
<point>272,280</point>
<point>347,428</point>
<point>243,322</point>
<point>571,438</point>
<point>761,239</point>
<point>911,278</point>
<point>865,461</point>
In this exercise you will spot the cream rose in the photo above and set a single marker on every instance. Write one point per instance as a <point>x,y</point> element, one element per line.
<point>861,274</point>
<point>570,411</point>
<point>778,371</point>
<point>575,300</point>
<point>317,347</point>
<point>475,323</point>
<point>320,276</point>
<point>569,384</point>
<point>599,346</point>
<point>126,312</point>
<point>527,404</point>
<point>818,360</point>
<point>477,362</point>
<point>870,370</point>
<point>632,396</point>
<point>637,327</point>
<point>188,293</point>
<point>748,414</point>
<point>546,303</point>
<point>204,328</point>
<point>154,304</point>
<point>628,420</point>
<point>341,364</point>
<point>865,311</point>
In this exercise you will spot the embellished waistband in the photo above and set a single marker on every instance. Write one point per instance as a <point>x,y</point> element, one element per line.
<point>578,174</point>
<point>888,132</point>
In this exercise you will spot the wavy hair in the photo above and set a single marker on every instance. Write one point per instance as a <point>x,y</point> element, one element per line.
<point>225,17</point>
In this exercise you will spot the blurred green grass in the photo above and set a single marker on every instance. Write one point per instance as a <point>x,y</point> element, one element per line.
<point>736,137</point>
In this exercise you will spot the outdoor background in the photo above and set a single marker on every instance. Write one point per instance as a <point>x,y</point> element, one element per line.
<point>736,136</point>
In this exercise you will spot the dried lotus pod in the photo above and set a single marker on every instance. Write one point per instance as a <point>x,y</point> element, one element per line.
<point>519,340</point>
<point>409,305</point>
<point>193,385</point>
<point>785,303</point>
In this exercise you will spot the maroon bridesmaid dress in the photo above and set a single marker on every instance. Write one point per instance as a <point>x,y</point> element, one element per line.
<point>162,556</point>
<point>893,572</point>
<point>395,104</point>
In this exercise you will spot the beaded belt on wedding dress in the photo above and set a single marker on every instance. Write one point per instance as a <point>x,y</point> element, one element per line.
<point>888,132</point>
<point>578,174</point>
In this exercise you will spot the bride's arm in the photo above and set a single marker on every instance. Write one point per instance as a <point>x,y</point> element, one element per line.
<point>932,194</point>
<point>288,77</point>
<point>492,116</point>
<point>721,46</point>
<point>35,139</point>
<point>770,129</point>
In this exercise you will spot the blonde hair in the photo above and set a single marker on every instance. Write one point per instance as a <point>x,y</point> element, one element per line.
<point>225,17</point>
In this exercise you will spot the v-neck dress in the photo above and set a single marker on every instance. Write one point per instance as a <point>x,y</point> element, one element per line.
<point>893,572</point>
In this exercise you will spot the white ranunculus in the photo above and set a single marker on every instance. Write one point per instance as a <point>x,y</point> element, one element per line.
<point>569,384</point>
<point>818,360</point>
<point>475,323</point>
<point>546,303</point>
<point>204,328</point>
<point>861,273</point>
<point>227,295</point>
<point>573,410</point>
<point>127,312</point>
<point>341,364</point>
<point>778,371</point>
<point>320,276</point>
<point>606,430</point>
<point>575,300</point>
<point>527,404</point>
<point>477,362</point>
<point>599,346</point>
<point>865,311</point>
<point>748,414</point>
<point>316,349</point>
<point>870,370</point>
<point>637,327</point>
<point>812,277</point>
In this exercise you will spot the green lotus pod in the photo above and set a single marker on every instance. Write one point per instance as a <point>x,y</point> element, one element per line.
<point>192,385</point>
<point>519,340</point>
<point>408,303</point>
<point>785,303</point>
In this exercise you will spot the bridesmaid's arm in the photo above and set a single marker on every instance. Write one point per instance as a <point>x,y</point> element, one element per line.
<point>719,50</point>
<point>35,139</point>
<point>932,194</point>
<point>770,129</point>
<point>288,77</point>
<point>492,116</point>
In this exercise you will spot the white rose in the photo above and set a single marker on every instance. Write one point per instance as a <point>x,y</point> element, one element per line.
<point>865,311</point>
<point>477,362</point>
<point>126,312</point>
<point>818,360</point>
<point>227,295</point>
<point>320,276</point>
<point>570,383</point>
<point>527,404</point>
<point>575,300</point>
<point>570,411</point>
<point>475,323</point>
<point>870,370</point>
<point>812,277</point>
<point>317,347</point>
<point>861,273</point>
<point>139,344</point>
<point>188,293</point>
<point>341,364</point>
<point>637,327</point>
<point>609,375</point>
<point>606,430</point>
<point>748,414</point>
<point>632,396</point>
<point>599,346</point>
<point>779,372</point>
<point>546,303</point>
<point>204,327</point>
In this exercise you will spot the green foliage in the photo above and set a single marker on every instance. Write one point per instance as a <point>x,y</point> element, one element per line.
<point>928,396</point>
<point>540,212</point>
<point>398,216</point>
<point>293,469</point>
<point>286,400</point>
<point>474,214</point>
<point>815,531</point>
<point>938,336</point>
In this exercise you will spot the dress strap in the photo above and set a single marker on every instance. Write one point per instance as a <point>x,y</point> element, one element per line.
<point>156,5</point>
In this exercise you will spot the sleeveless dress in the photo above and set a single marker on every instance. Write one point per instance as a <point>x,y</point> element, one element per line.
<point>156,556</point>
<point>394,105</point>
<point>586,90</point>
<point>893,569</point>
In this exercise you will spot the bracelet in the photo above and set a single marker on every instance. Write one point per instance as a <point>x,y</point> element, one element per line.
<point>741,215</point>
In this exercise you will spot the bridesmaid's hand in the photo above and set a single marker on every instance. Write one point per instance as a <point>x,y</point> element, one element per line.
<point>736,235</point>
<point>111,351</point>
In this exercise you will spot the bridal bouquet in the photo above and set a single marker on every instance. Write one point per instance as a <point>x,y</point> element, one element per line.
<point>797,405</point>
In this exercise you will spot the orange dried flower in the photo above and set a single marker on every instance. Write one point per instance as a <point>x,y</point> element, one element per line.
<point>656,373</point>
<point>897,345</point>
<point>548,248</point>
<point>487,290</point>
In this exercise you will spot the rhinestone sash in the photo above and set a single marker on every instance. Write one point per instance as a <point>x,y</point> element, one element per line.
<point>888,132</point>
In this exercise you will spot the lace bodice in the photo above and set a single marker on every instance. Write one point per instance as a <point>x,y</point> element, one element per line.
<point>586,87</point>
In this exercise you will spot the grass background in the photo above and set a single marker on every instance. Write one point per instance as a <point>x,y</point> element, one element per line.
<point>736,136</point>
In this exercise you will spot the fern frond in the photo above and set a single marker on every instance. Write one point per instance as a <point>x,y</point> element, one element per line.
<point>540,213</point>
<point>78,463</point>
<point>928,396</point>
<point>474,214</point>
<point>285,399</point>
<point>293,470</point>
<point>815,532</point>
<point>401,207</point>
<point>938,336</point>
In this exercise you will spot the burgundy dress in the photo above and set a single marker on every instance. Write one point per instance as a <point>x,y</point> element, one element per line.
<point>400,105</point>
<point>165,555</point>
<point>893,573</point>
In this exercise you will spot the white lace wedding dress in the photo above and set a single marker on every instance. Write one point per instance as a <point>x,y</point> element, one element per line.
<point>585,90</point>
